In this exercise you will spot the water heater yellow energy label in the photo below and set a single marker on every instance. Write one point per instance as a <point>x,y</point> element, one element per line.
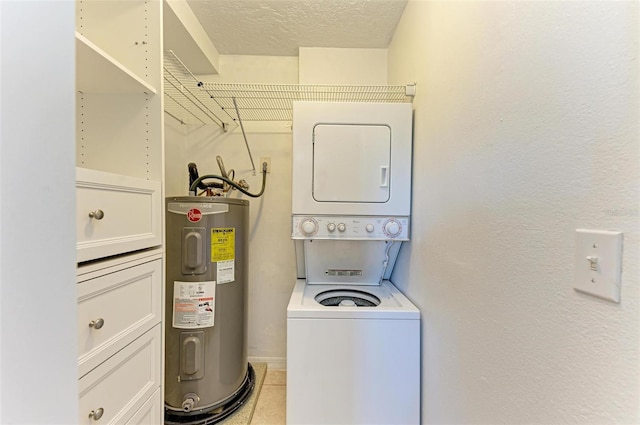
<point>223,244</point>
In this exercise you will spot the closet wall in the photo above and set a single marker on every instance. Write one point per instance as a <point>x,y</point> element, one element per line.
<point>271,254</point>
<point>38,363</point>
<point>526,128</point>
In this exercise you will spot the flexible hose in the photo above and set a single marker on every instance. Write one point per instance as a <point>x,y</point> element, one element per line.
<point>196,182</point>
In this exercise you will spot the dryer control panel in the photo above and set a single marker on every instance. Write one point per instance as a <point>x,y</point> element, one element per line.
<point>350,227</point>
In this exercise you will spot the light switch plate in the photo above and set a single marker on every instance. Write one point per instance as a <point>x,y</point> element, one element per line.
<point>598,263</point>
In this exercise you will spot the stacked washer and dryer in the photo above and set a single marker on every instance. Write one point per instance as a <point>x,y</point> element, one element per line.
<point>353,339</point>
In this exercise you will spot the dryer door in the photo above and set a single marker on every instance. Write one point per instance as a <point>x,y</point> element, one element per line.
<point>351,163</point>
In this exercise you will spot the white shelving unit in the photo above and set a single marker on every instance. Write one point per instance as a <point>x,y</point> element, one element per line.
<point>119,211</point>
<point>119,84</point>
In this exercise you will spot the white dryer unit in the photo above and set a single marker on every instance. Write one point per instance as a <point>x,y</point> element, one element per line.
<point>352,158</point>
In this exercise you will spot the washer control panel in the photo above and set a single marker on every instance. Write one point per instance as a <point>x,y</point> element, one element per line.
<point>350,227</point>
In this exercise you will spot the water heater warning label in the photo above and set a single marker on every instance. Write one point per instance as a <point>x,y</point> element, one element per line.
<point>226,271</point>
<point>193,304</point>
<point>223,244</point>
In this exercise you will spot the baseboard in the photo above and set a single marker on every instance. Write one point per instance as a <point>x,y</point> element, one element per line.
<point>273,363</point>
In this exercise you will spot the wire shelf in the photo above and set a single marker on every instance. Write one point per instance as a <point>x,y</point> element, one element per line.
<point>191,101</point>
<point>184,98</point>
<point>273,102</point>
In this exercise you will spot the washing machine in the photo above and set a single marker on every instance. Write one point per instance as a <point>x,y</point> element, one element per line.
<point>353,339</point>
<point>353,355</point>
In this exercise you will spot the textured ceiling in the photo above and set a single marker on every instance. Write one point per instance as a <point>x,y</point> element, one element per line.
<point>279,27</point>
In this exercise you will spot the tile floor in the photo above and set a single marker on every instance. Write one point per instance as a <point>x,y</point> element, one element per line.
<point>271,406</point>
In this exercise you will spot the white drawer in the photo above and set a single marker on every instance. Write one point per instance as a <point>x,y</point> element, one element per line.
<point>151,413</point>
<point>120,386</point>
<point>129,303</point>
<point>127,214</point>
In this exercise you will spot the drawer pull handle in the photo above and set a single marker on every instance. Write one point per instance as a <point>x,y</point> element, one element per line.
<point>96,324</point>
<point>96,414</point>
<point>97,214</point>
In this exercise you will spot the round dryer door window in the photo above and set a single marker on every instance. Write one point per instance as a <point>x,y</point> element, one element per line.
<point>347,298</point>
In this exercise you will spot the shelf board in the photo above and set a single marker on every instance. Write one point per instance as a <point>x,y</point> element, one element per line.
<point>183,33</point>
<point>98,72</point>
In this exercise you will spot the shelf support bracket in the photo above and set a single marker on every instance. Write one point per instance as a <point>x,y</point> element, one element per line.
<point>235,105</point>
<point>410,90</point>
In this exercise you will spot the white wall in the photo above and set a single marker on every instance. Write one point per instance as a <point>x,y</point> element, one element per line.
<point>526,128</point>
<point>38,356</point>
<point>323,65</point>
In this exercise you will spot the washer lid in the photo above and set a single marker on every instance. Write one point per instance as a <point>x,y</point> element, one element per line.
<point>393,304</point>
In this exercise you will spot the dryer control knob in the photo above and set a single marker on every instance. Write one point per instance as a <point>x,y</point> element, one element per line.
<point>392,228</point>
<point>369,227</point>
<point>309,227</point>
<point>342,227</point>
<point>331,227</point>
